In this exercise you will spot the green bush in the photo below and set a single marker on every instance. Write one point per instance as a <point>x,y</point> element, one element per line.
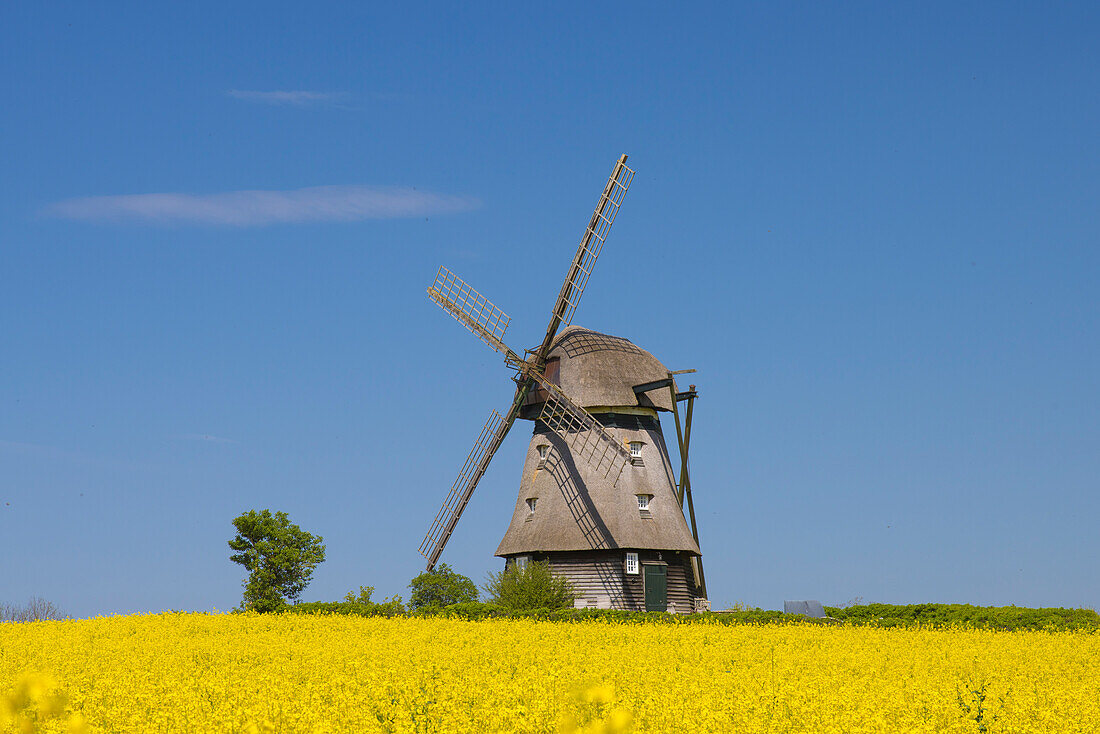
<point>941,615</point>
<point>441,587</point>
<point>467,610</point>
<point>355,605</point>
<point>528,587</point>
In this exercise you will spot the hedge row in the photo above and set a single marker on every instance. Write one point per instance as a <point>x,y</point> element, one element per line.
<point>875,615</point>
<point>1003,618</point>
<point>389,608</point>
<point>478,610</point>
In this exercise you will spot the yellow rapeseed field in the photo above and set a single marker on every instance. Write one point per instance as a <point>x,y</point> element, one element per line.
<point>296,673</point>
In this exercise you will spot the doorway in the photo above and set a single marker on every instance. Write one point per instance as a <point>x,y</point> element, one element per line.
<point>656,587</point>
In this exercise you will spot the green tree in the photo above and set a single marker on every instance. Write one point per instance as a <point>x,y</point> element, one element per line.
<point>439,587</point>
<point>278,555</point>
<point>532,586</point>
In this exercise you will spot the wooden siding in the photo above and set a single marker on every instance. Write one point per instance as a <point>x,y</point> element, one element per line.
<point>600,580</point>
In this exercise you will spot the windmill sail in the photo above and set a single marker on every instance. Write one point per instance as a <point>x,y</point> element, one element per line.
<point>476,463</point>
<point>588,250</point>
<point>594,235</point>
<point>471,309</point>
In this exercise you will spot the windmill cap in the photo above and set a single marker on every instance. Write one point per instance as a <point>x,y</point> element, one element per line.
<point>600,370</point>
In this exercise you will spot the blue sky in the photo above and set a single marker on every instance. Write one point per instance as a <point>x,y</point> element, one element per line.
<point>871,229</point>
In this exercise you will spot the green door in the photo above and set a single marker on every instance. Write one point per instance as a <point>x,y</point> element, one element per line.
<point>656,588</point>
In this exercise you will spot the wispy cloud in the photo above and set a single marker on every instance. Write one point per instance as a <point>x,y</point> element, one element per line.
<point>293,97</point>
<point>257,208</point>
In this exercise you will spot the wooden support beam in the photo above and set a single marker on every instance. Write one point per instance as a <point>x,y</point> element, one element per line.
<point>691,395</point>
<point>679,439</point>
<point>646,387</point>
<point>685,489</point>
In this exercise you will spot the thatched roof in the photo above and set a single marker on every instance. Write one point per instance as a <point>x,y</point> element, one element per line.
<point>598,370</point>
<point>578,509</point>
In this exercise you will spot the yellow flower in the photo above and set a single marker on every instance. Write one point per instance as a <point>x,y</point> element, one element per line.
<point>77,725</point>
<point>295,673</point>
<point>600,694</point>
<point>33,699</point>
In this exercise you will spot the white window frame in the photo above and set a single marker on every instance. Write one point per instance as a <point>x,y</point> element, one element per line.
<point>532,502</point>
<point>636,449</point>
<point>544,451</point>
<point>522,561</point>
<point>630,564</point>
<point>643,502</point>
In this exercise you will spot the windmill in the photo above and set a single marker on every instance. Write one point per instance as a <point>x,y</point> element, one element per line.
<point>598,497</point>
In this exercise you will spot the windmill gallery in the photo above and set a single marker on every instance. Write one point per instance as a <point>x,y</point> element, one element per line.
<point>598,497</point>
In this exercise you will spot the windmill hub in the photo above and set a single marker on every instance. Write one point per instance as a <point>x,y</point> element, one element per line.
<point>598,498</point>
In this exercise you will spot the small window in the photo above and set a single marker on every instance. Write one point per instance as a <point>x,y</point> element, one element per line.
<point>643,501</point>
<point>531,502</point>
<point>544,450</point>
<point>636,449</point>
<point>522,561</point>
<point>632,563</point>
